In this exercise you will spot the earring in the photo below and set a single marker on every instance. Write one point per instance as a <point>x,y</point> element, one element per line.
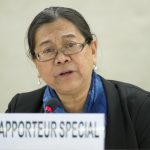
<point>39,80</point>
<point>95,67</point>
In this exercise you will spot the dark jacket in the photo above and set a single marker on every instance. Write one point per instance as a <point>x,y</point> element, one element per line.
<point>128,116</point>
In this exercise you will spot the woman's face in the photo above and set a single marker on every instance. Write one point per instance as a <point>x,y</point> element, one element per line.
<point>65,74</point>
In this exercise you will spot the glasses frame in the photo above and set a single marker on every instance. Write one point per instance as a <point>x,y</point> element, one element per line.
<point>82,45</point>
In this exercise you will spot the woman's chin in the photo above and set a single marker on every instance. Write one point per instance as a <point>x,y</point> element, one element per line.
<point>68,88</point>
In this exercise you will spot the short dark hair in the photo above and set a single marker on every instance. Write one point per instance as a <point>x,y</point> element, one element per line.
<point>49,15</point>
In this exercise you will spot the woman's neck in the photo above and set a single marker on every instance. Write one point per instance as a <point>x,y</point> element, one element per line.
<point>74,103</point>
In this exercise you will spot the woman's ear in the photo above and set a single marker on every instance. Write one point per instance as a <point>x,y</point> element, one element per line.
<point>93,46</point>
<point>35,63</point>
<point>38,76</point>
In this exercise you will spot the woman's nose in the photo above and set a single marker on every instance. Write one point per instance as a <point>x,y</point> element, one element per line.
<point>61,58</point>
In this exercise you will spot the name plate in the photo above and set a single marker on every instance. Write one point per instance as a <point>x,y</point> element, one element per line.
<point>52,131</point>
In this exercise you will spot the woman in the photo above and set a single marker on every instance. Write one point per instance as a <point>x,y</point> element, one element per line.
<point>64,52</point>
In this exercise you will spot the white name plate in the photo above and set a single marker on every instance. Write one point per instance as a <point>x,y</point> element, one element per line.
<point>52,131</point>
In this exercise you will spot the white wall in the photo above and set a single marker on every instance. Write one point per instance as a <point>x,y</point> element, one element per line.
<point>122,28</point>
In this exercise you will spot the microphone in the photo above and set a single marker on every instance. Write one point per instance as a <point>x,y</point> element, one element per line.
<point>51,105</point>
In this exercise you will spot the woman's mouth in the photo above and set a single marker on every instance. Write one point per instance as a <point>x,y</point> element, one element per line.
<point>65,73</point>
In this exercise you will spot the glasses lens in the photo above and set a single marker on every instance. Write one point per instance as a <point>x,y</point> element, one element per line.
<point>70,50</point>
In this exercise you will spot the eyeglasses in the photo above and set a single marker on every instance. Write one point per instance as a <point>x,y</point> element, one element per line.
<point>69,49</point>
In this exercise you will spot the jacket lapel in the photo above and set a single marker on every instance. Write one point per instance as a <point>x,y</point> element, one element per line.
<point>115,130</point>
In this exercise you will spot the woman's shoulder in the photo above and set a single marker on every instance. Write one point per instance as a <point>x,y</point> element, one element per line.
<point>124,89</point>
<point>130,91</point>
<point>132,98</point>
<point>26,102</point>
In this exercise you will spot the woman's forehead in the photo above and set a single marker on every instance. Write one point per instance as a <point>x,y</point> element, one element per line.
<point>60,25</point>
<point>60,29</point>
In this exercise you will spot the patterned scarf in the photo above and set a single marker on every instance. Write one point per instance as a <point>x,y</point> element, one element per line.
<point>95,102</point>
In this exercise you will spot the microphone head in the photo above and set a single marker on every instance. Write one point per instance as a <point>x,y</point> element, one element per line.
<point>52,105</point>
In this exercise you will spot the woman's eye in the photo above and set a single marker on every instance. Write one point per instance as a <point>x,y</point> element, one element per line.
<point>70,45</point>
<point>49,50</point>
